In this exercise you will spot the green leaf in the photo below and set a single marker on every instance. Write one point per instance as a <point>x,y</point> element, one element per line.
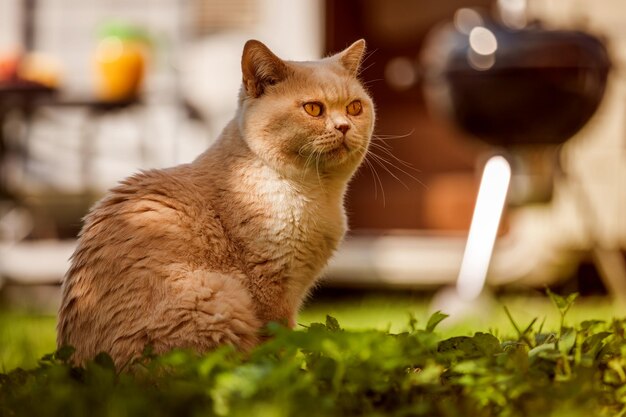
<point>148,351</point>
<point>521,334</point>
<point>316,328</point>
<point>515,326</point>
<point>436,318</point>
<point>48,357</point>
<point>460,347</point>
<point>332,324</point>
<point>430,374</point>
<point>328,371</point>
<point>567,341</point>
<point>487,343</point>
<point>105,361</point>
<point>412,322</point>
<point>589,324</point>
<point>563,304</point>
<point>64,353</point>
<point>542,338</point>
<point>593,343</point>
<point>547,351</point>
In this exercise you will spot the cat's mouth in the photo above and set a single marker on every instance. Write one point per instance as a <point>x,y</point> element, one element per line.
<point>333,152</point>
<point>336,153</point>
<point>341,147</point>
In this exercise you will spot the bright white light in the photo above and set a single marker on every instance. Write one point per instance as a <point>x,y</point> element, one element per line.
<point>513,6</point>
<point>483,41</point>
<point>484,229</point>
<point>513,12</point>
<point>467,19</point>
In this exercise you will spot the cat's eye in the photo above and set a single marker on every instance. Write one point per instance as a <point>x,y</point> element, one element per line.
<point>313,108</point>
<point>354,108</point>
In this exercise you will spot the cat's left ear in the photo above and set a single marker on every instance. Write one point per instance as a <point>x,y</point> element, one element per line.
<point>260,68</point>
<point>352,56</point>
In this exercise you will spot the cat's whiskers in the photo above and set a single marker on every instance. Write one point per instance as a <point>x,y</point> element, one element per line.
<point>382,162</point>
<point>376,178</point>
<point>388,137</point>
<point>306,166</point>
<point>307,150</point>
<point>385,164</point>
<point>370,82</point>
<point>387,161</point>
<point>389,154</point>
<point>303,148</point>
<point>317,168</point>
<point>308,146</point>
<point>379,142</point>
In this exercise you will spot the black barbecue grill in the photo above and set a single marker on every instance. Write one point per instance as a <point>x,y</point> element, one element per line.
<point>538,87</point>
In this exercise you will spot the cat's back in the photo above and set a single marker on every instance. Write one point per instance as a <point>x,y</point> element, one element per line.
<point>142,216</point>
<point>148,228</point>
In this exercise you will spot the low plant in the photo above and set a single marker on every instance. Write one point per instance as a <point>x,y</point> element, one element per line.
<point>324,370</point>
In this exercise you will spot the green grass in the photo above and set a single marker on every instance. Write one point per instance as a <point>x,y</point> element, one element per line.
<point>539,370</point>
<point>26,337</point>
<point>391,312</point>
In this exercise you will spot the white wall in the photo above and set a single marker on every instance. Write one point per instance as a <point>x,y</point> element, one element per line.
<point>9,24</point>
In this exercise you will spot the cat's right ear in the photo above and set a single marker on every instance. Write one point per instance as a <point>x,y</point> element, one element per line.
<point>260,68</point>
<point>352,57</point>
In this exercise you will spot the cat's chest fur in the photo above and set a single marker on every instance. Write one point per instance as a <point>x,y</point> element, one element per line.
<point>287,230</point>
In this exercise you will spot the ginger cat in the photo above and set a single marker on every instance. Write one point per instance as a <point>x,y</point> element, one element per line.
<point>207,253</point>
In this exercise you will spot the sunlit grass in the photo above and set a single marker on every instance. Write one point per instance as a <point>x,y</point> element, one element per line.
<point>382,312</point>
<point>25,337</point>
<point>392,312</point>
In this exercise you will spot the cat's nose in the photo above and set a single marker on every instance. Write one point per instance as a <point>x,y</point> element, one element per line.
<point>342,127</point>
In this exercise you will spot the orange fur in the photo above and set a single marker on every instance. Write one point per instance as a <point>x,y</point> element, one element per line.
<point>207,253</point>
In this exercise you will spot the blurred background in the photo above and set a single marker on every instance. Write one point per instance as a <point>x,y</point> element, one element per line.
<point>91,92</point>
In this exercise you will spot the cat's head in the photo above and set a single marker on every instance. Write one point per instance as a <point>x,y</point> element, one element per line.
<point>306,118</point>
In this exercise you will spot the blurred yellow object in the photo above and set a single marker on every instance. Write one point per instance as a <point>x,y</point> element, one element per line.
<point>120,67</point>
<point>41,68</point>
